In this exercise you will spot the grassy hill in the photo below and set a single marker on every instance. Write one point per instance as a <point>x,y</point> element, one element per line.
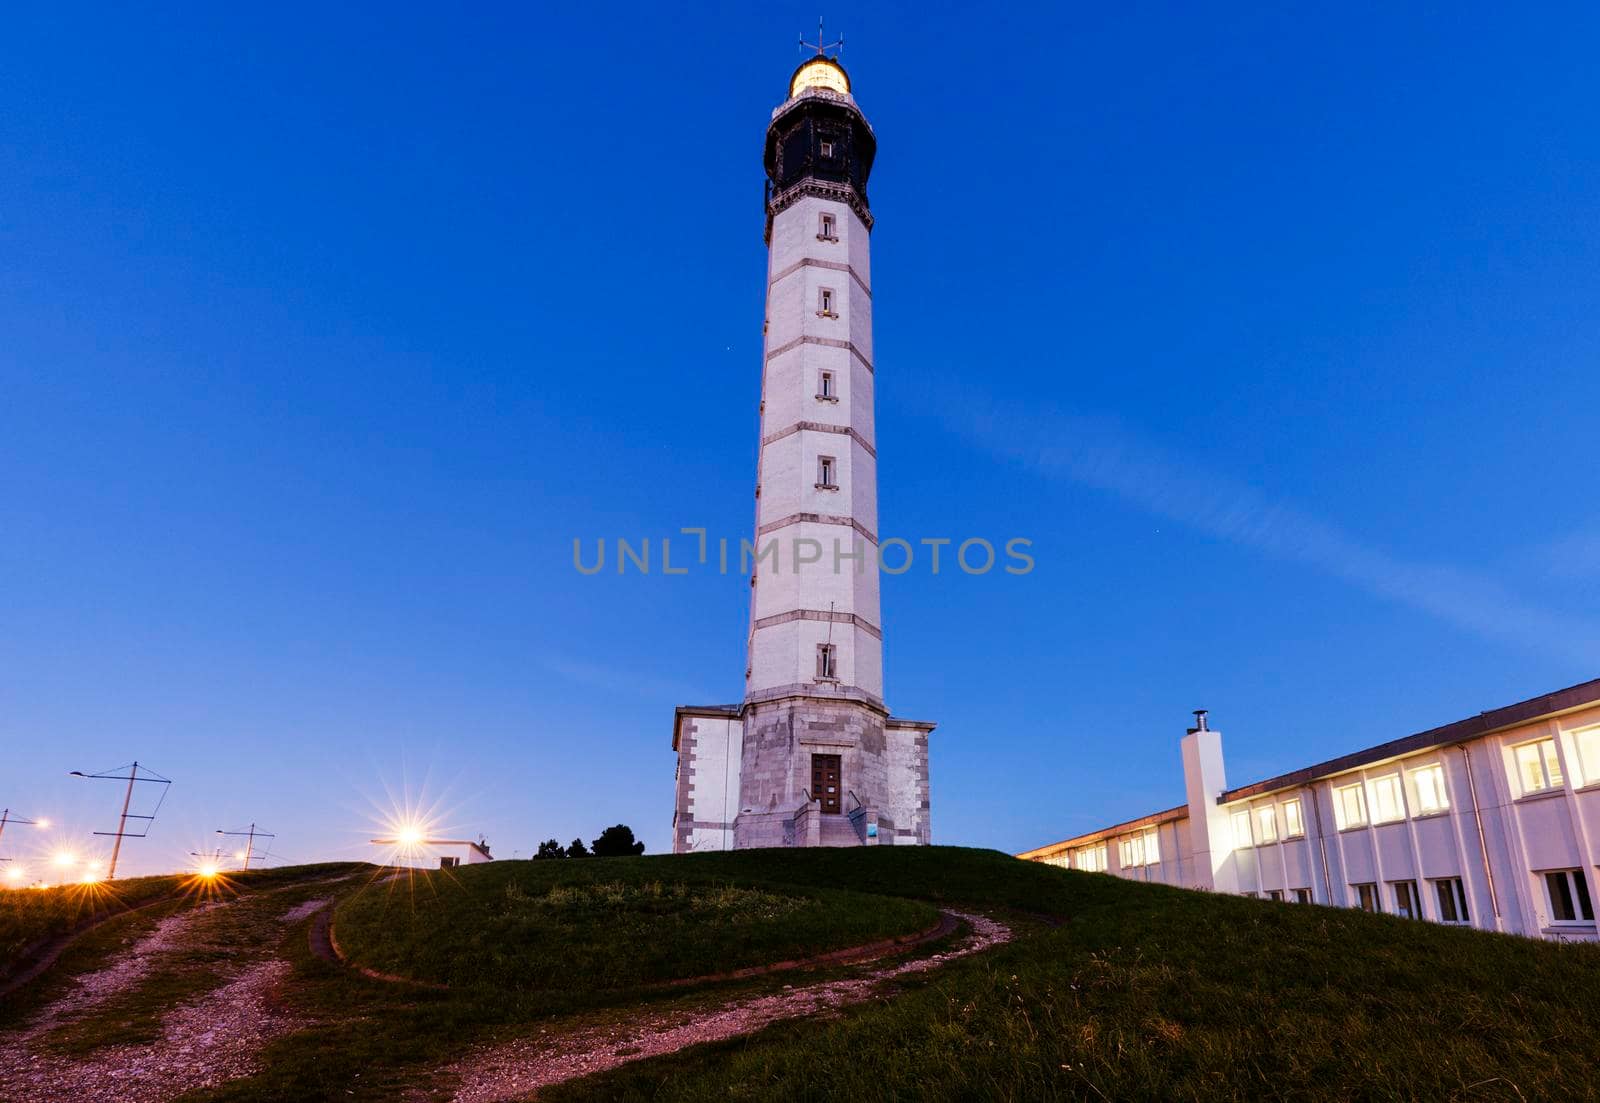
<point>1111,989</point>
<point>1150,992</point>
<point>30,915</point>
<point>603,924</point>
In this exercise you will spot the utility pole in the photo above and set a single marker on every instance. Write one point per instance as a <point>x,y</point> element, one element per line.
<point>250,835</point>
<point>6,817</point>
<point>122,832</point>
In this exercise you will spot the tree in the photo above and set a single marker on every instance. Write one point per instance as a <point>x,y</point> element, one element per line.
<point>551,849</point>
<point>577,849</point>
<point>617,842</point>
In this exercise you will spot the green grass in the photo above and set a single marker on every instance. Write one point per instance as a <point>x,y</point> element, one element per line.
<point>29,915</point>
<point>600,924</point>
<point>216,943</point>
<point>1140,992</point>
<point>1149,992</point>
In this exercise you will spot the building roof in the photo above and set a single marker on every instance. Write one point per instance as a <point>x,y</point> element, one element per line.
<point>1584,695</point>
<point>715,712</point>
<point>1152,820</point>
<point>1473,727</point>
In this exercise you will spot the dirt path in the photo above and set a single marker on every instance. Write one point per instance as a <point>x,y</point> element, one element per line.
<point>203,1041</point>
<point>513,1070</point>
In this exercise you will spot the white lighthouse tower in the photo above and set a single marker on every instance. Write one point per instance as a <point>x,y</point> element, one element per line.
<point>811,756</point>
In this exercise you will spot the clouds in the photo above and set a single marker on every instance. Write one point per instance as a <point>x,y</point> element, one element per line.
<point>1098,453</point>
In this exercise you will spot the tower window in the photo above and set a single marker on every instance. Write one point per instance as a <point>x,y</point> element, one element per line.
<point>825,300</point>
<point>826,469</point>
<point>827,147</point>
<point>827,662</point>
<point>827,229</point>
<point>826,387</point>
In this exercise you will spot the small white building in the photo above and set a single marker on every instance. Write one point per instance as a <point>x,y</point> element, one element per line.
<point>1490,822</point>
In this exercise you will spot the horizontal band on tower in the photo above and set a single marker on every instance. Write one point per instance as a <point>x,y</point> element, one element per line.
<point>816,614</point>
<point>828,341</point>
<point>817,519</point>
<point>820,427</point>
<point>813,262</point>
<point>821,189</point>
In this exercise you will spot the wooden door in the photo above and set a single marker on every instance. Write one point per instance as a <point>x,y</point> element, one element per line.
<point>825,783</point>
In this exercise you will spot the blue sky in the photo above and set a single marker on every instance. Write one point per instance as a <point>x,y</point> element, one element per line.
<point>326,332</point>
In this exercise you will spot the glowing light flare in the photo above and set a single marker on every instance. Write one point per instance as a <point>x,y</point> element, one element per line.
<point>410,826</point>
<point>63,859</point>
<point>15,874</point>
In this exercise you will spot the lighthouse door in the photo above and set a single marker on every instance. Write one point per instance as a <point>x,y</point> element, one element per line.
<point>825,785</point>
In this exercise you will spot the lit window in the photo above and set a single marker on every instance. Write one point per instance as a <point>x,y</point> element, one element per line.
<point>1537,765</point>
<point>1138,850</point>
<point>1267,824</point>
<point>1349,808</point>
<point>1092,859</point>
<point>1405,899</point>
<point>1387,803</point>
<point>1293,828</point>
<point>826,147</point>
<point>1302,896</point>
<point>1431,796</point>
<point>826,662</point>
<point>1569,896</point>
<point>826,229</point>
<point>825,473</point>
<point>1241,830</point>
<point>1588,741</point>
<point>825,301</point>
<point>1452,900</point>
<point>825,385</point>
<point>1367,897</point>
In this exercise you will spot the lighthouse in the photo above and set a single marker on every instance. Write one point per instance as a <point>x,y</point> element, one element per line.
<point>811,755</point>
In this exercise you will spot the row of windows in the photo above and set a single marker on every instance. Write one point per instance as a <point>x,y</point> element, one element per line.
<point>1566,891</point>
<point>1143,849</point>
<point>1404,901</point>
<point>1383,799</point>
<point>1301,896</point>
<point>1266,825</point>
<point>1091,859</point>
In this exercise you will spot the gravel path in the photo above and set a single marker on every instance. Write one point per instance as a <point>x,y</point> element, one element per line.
<point>513,1070</point>
<point>203,1043</point>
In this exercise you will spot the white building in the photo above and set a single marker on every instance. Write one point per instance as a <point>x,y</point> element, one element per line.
<point>811,756</point>
<point>1490,822</point>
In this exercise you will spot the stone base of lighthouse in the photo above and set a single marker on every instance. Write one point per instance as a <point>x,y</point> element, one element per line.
<point>800,770</point>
